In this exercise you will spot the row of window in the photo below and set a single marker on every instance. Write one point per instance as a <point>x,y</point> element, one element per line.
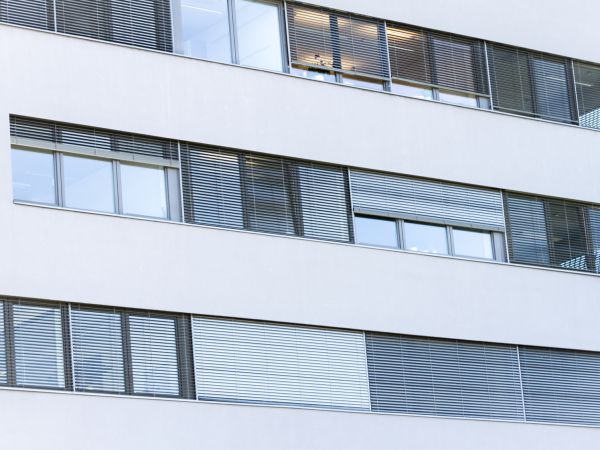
<point>333,46</point>
<point>87,348</point>
<point>99,170</point>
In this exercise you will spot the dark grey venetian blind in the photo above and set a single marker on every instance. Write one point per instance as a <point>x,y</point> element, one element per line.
<point>444,378</point>
<point>30,13</point>
<point>91,138</point>
<point>550,232</point>
<point>143,23</point>
<point>420,199</point>
<point>440,59</point>
<point>321,38</point>
<point>264,193</point>
<point>587,87</point>
<point>3,356</point>
<point>561,386</point>
<point>531,83</point>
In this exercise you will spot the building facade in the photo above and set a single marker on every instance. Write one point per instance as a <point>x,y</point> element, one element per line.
<point>271,224</point>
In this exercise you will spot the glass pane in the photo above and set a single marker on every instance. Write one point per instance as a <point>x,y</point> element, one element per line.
<point>372,231</point>
<point>412,90</point>
<point>363,82</point>
<point>97,351</point>
<point>202,29</point>
<point>426,238</point>
<point>33,176</point>
<point>88,184</point>
<point>314,74</point>
<point>38,346</point>
<point>551,90</point>
<point>475,244</point>
<point>587,85</point>
<point>143,191</point>
<point>154,356</point>
<point>259,34</point>
<point>458,98</point>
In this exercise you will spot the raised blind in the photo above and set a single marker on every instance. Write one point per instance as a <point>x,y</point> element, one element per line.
<point>531,83</point>
<point>31,130</point>
<point>440,59</point>
<point>561,386</point>
<point>323,39</point>
<point>29,13</point>
<point>258,362</point>
<point>427,200</point>
<point>38,345</point>
<point>587,87</point>
<point>443,378</point>
<point>142,23</point>
<point>264,193</point>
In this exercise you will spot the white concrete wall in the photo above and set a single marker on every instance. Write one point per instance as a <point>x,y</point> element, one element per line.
<point>84,422</point>
<point>555,26</point>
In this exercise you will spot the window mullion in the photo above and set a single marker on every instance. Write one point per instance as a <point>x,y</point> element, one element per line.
<point>117,187</point>
<point>235,51</point>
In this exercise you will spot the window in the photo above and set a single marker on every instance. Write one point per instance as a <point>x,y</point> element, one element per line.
<point>472,244</point>
<point>38,346</point>
<point>143,191</point>
<point>247,32</point>
<point>420,237</point>
<point>88,184</point>
<point>29,13</point>
<point>329,46</point>
<point>33,176</point>
<point>412,90</point>
<point>458,98</point>
<point>587,87</point>
<point>374,231</point>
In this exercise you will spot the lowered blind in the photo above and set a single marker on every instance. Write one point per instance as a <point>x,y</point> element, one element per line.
<point>440,59</point>
<point>3,356</point>
<point>587,87</point>
<point>550,232</point>
<point>321,38</point>
<point>38,346</point>
<point>29,13</point>
<point>426,200</point>
<point>97,350</point>
<point>264,193</point>
<point>443,378</point>
<point>531,83</point>
<point>143,23</point>
<point>92,138</point>
<point>261,362</point>
<point>561,386</point>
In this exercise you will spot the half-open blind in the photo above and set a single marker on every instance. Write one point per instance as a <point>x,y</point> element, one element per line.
<point>531,83</point>
<point>264,193</point>
<point>98,363</point>
<point>428,200</point>
<point>67,135</point>
<point>30,13</point>
<point>587,86</point>
<point>38,345</point>
<point>261,362</point>
<point>143,23</point>
<point>561,385</point>
<point>440,59</point>
<point>326,39</point>
<point>444,378</point>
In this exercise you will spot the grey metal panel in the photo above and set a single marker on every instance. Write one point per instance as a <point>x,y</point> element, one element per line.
<point>561,386</point>
<point>272,363</point>
<point>154,357</point>
<point>29,13</point>
<point>38,345</point>
<point>97,350</point>
<point>438,200</point>
<point>443,378</point>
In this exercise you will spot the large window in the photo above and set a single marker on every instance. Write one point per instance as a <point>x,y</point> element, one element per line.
<point>33,176</point>
<point>247,32</point>
<point>88,183</point>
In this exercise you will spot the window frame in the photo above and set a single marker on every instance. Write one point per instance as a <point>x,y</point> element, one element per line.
<point>497,238</point>
<point>171,171</point>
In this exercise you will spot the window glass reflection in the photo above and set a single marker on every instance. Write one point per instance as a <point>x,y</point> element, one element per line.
<point>412,90</point>
<point>259,34</point>
<point>143,191</point>
<point>33,176</point>
<point>457,98</point>
<point>426,238</point>
<point>88,184</point>
<point>202,29</point>
<point>474,244</point>
<point>362,82</point>
<point>314,74</point>
<point>379,232</point>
